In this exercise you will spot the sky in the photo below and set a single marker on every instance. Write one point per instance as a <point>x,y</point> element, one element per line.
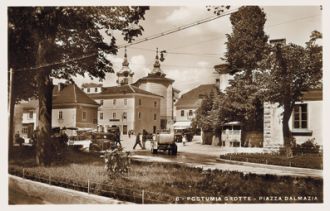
<point>192,53</point>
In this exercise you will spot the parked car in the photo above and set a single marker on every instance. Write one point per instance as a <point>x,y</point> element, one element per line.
<point>105,141</point>
<point>164,142</point>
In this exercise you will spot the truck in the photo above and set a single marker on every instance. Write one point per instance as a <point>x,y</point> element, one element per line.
<point>164,141</point>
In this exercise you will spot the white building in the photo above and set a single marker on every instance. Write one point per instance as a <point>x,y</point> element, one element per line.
<point>125,105</point>
<point>157,83</point>
<point>305,122</point>
<point>188,103</point>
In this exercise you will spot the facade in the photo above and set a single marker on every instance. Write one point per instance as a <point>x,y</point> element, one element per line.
<point>157,83</point>
<point>25,118</point>
<point>127,106</point>
<point>73,108</point>
<point>189,102</point>
<point>305,122</point>
<point>91,88</point>
<point>70,108</point>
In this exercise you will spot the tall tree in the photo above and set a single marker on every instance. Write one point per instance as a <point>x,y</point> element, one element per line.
<point>247,42</point>
<point>52,34</point>
<point>293,69</point>
<point>246,48</point>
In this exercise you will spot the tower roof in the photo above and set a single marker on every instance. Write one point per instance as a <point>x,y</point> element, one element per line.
<point>125,70</point>
<point>157,70</point>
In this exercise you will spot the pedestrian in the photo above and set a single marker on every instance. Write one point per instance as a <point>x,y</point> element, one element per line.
<point>129,134</point>
<point>138,141</point>
<point>144,137</point>
<point>184,139</point>
<point>118,137</point>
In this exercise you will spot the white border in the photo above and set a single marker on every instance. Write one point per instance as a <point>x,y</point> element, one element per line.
<point>3,97</point>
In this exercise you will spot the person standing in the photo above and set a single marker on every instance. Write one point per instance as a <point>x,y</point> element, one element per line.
<point>138,141</point>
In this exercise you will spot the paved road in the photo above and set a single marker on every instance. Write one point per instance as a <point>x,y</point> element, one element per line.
<point>211,162</point>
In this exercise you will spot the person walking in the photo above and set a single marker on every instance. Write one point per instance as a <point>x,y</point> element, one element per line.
<point>137,141</point>
<point>184,139</point>
<point>117,138</point>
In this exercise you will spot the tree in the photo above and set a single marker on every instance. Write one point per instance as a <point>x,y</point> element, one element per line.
<point>247,42</point>
<point>52,34</point>
<point>293,69</point>
<point>246,48</point>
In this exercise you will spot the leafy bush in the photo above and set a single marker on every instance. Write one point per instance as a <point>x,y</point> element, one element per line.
<point>117,162</point>
<point>308,147</point>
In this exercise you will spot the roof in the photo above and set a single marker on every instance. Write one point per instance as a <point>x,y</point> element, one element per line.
<point>194,97</point>
<point>71,94</point>
<point>312,95</point>
<point>124,89</point>
<point>90,85</point>
<point>157,78</point>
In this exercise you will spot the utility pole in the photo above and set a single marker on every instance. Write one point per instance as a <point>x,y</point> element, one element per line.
<point>11,105</point>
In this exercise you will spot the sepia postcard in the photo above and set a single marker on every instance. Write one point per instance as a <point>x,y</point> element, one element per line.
<point>123,104</point>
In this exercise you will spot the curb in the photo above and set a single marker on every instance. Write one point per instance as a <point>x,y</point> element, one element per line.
<point>264,165</point>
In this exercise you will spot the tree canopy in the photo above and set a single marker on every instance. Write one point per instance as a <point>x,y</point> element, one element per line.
<point>63,42</point>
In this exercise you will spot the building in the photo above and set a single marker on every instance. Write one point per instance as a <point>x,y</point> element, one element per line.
<point>224,77</point>
<point>73,108</point>
<point>126,105</point>
<point>25,118</point>
<point>305,122</point>
<point>157,83</point>
<point>189,102</point>
<point>91,88</point>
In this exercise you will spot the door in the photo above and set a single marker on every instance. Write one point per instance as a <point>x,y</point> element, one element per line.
<point>124,129</point>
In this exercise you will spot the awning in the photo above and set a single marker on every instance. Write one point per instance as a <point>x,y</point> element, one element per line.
<point>182,125</point>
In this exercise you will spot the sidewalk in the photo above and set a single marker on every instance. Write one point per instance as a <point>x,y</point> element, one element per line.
<point>23,191</point>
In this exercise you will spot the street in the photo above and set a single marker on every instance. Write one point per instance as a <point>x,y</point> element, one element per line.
<point>206,156</point>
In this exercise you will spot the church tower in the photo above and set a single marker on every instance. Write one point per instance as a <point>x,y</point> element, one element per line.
<point>125,75</point>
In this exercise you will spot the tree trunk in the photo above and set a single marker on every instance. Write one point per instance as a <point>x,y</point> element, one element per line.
<point>287,136</point>
<point>43,146</point>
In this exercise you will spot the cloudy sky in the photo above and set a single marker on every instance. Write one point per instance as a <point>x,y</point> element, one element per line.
<point>193,52</point>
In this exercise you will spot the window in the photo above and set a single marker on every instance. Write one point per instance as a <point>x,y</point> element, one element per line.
<point>114,101</point>
<point>155,104</point>
<point>182,112</point>
<point>114,115</point>
<point>88,89</point>
<point>125,101</point>
<point>24,130</point>
<point>101,115</point>
<point>31,115</point>
<point>139,114</point>
<point>95,89</point>
<point>124,115</point>
<point>140,102</point>
<point>190,113</point>
<point>60,115</point>
<point>300,117</point>
<point>155,116</point>
<point>84,115</point>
